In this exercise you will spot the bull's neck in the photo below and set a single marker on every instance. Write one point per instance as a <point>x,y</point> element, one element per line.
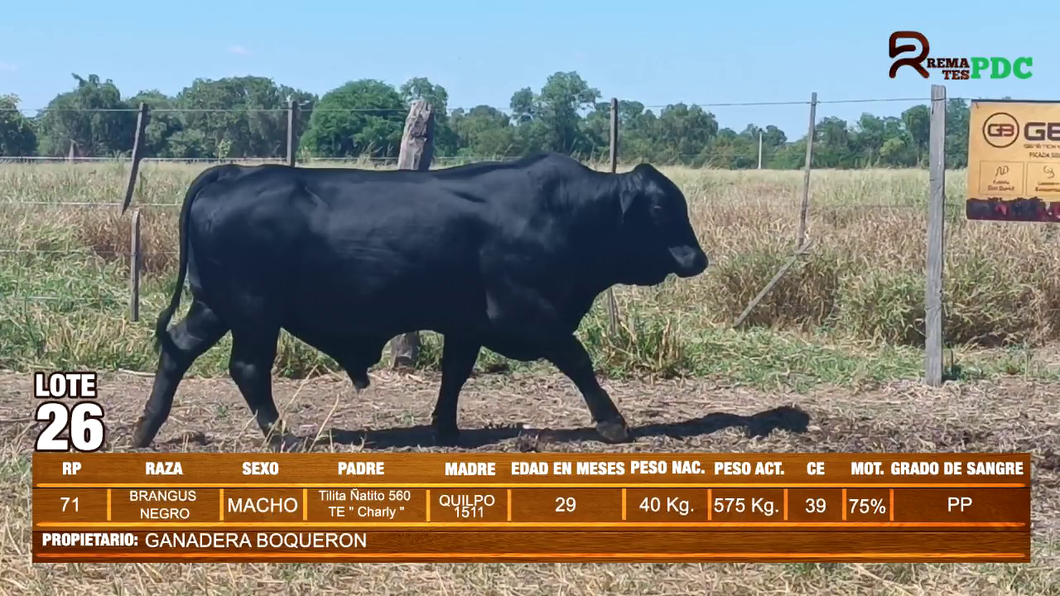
<point>596,212</point>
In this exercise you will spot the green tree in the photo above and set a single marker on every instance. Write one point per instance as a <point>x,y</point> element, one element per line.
<point>834,147</point>
<point>524,108</point>
<point>957,115</point>
<point>484,131</point>
<point>790,157</point>
<point>248,114</point>
<point>92,116</point>
<point>358,118</point>
<point>247,117</point>
<point>774,137</point>
<point>870,135</point>
<point>681,133</point>
<point>163,125</point>
<point>551,119</point>
<point>917,120</point>
<point>636,130</point>
<point>730,150</point>
<point>17,136</point>
<point>898,149</point>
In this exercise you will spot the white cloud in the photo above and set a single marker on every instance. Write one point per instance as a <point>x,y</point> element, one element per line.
<point>8,67</point>
<point>238,49</point>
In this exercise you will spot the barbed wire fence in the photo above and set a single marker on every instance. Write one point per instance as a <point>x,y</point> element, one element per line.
<point>135,255</point>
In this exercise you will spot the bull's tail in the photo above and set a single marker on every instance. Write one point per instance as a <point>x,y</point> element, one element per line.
<point>207,177</point>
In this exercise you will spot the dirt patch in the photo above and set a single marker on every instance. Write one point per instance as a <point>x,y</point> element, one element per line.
<point>517,412</point>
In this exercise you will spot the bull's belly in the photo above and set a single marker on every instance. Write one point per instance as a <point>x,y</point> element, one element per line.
<point>350,350</point>
<point>350,327</point>
<point>351,315</point>
<point>363,342</point>
<point>515,350</point>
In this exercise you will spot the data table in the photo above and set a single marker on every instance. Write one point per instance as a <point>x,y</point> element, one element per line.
<point>530,507</point>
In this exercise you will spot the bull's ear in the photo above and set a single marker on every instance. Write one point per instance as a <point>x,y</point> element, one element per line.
<point>628,198</point>
<point>632,192</point>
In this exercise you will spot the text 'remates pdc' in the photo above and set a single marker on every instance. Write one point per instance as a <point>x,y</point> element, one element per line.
<point>69,405</point>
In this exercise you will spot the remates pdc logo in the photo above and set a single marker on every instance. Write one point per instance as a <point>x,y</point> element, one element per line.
<point>1001,130</point>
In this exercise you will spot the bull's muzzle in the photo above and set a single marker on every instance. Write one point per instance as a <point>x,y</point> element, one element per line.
<point>689,260</point>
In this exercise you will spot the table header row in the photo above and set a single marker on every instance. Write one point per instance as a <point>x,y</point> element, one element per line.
<point>420,469</point>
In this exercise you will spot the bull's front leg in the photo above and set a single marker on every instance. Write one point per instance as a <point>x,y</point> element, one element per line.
<point>458,360</point>
<point>570,357</point>
<point>520,313</point>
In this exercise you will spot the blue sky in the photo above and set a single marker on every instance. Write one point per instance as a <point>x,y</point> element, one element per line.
<point>481,52</point>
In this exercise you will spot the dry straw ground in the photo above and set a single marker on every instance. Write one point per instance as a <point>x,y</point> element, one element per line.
<point>839,338</point>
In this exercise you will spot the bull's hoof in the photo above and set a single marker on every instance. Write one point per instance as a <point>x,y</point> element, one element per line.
<point>140,439</point>
<point>446,436</point>
<point>614,431</point>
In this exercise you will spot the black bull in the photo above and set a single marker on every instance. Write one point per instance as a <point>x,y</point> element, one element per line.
<point>504,256</point>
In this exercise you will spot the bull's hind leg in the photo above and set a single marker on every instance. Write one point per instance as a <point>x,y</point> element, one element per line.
<point>198,332</point>
<point>253,354</point>
<point>458,360</point>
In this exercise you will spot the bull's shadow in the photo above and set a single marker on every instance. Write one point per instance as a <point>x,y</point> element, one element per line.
<point>757,425</point>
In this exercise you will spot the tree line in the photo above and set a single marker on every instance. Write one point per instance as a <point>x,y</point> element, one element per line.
<point>366,118</point>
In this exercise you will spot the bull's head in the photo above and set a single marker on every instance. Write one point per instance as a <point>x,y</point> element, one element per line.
<point>656,238</point>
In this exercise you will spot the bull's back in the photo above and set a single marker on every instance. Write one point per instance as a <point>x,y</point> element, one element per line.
<point>368,252</point>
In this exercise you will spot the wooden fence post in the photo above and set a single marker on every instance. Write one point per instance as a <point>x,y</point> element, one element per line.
<point>135,265</point>
<point>137,154</point>
<point>292,139</point>
<point>801,246</point>
<point>935,239</point>
<point>612,304</point>
<point>417,149</point>
<point>759,150</point>
<point>804,212</point>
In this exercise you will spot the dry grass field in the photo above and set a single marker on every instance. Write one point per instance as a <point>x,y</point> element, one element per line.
<point>839,339</point>
<point>849,312</point>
